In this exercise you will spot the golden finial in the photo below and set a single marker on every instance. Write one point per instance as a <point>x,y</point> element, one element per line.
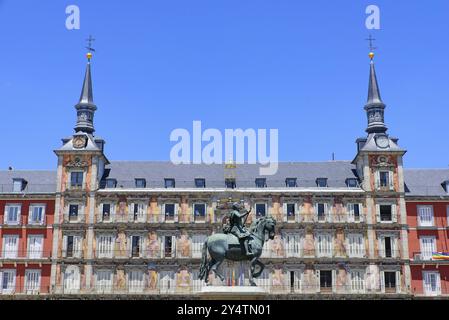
<point>89,55</point>
<point>371,55</point>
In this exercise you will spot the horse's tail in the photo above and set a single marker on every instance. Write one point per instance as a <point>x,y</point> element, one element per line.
<point>203,267</point>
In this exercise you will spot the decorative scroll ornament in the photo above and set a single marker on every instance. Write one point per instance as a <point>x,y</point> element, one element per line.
<point>77,163</point>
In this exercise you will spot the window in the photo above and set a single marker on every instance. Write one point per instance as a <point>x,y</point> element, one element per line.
<point>168,247</point>
<point>106,212</point>
<point>199,211</point>
<point>432,283</point>
<point>385,213</point>
<point>72,246</point>
<point>36,215</point>
<point>261,183</point>
<point>136,246</point>
<point>71,279</point>
<point>290,183</point>
<point>356,245</point>
<point>428,247</point>
<point>105,244</point>
<point>76,179</point>
<point>169,183</point>
<point>384,180</point>
<point>32,281</point>
<point>8,281</point>
<point>354,212</point>
<point>326,280</point>
<point>111,183</point>
<point>291,211</point>
<point>324,245</point>
<point>390,281</point>
<point>18,185</point>
<point>387,247</point>
<point>322,212</point>
<point>140,183</point>
<point>357,281</point>
<point>12,214</point>
<point>35,246</point>
<point>135,281</point>
<point>10,246</point>
<point>200,183</point>
<point>104,281</point>
<point>138,212</point>
<point>197,245</point>
<point>352,183</point>
<point>73,212</point>
<point>169,209</point>
<point>425,216</point>
<point>321,182</point>
<point>230,183</point>
<point>261,210</point>
<point>384,177</point>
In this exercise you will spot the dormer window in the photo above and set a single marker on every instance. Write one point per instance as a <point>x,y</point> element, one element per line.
<point>446,185</point>
<point>321,182</point>
<point>19,185</point>
<point>140,183</point>
<point>200,183</point>
<point>352,183</point>
<point>169,183</point>
<point>111,183</point>
<point>261,183</point>
<point>230,183</point>
<point>291,183</point>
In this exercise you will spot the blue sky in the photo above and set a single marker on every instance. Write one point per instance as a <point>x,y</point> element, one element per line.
<point>298,66</point>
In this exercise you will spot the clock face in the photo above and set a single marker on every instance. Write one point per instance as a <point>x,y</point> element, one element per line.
<point>79,142</point>
<point>382,142</point>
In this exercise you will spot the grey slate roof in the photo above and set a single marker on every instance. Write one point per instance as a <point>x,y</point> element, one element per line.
<point>155,172</point>
<point>426,182</point>
<point>37,181</point>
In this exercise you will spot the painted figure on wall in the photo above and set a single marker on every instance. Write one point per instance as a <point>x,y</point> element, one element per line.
<point>341,279</point>
<point>184,245</point>
<point>121,244</point>
<point>309,280</point>
<point>122,211</point>
<point>372,278</point>
<point>154,247</point>
<point>152,280</point>
<point>307,210</point>
<point>121,279</point>
<point>339,244</point>
<point>183,279</point>
<point>339,211</point>
<point>278,279</point>
<point>277,246</point>
<point>309,244</point>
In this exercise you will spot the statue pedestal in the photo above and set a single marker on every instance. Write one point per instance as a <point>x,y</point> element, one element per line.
<point>232,293</point>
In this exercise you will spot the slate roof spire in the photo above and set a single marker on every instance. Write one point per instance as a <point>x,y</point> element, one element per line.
<point>374,106</point>
<point>86,107</point>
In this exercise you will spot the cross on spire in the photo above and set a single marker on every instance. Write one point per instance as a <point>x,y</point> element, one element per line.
<point>90,41</point>
<point>371,40</point>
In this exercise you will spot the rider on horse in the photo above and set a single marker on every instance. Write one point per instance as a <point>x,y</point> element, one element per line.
<point>237,227</point>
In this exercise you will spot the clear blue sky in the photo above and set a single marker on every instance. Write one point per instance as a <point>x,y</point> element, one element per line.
<point>299,66</point>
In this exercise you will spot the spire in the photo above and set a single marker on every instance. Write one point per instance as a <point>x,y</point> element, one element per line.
<point>374,106</point>
<point>86,107</point>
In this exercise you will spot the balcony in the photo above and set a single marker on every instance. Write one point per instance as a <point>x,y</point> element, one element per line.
<point>25,256</point>
<point>430,258</point>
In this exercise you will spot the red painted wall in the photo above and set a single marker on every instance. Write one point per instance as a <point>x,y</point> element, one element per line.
<point>23,231</point>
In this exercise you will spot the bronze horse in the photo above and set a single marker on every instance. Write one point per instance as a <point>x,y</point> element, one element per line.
<point>227,246</point>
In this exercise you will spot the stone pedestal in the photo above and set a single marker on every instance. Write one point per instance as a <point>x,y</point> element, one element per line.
<point>232,293</point>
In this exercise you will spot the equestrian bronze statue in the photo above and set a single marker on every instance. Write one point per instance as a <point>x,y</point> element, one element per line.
<point>237,243</point>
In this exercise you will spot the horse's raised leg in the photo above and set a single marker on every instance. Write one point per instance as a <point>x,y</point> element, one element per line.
<point>214,268</point>
<point>252,267</point>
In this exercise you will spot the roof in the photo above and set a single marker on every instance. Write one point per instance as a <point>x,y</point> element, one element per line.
<point>36,181</point>
<point>426,182</point>
<point>154,172</point>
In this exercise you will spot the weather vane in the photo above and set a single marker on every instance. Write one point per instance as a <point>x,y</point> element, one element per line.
<point>371,47</point>
<point>90,40</point>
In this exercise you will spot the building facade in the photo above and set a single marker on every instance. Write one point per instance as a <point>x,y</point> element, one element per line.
<point>136,229</point>
<point>27,201</point>
<point>428,221</point>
